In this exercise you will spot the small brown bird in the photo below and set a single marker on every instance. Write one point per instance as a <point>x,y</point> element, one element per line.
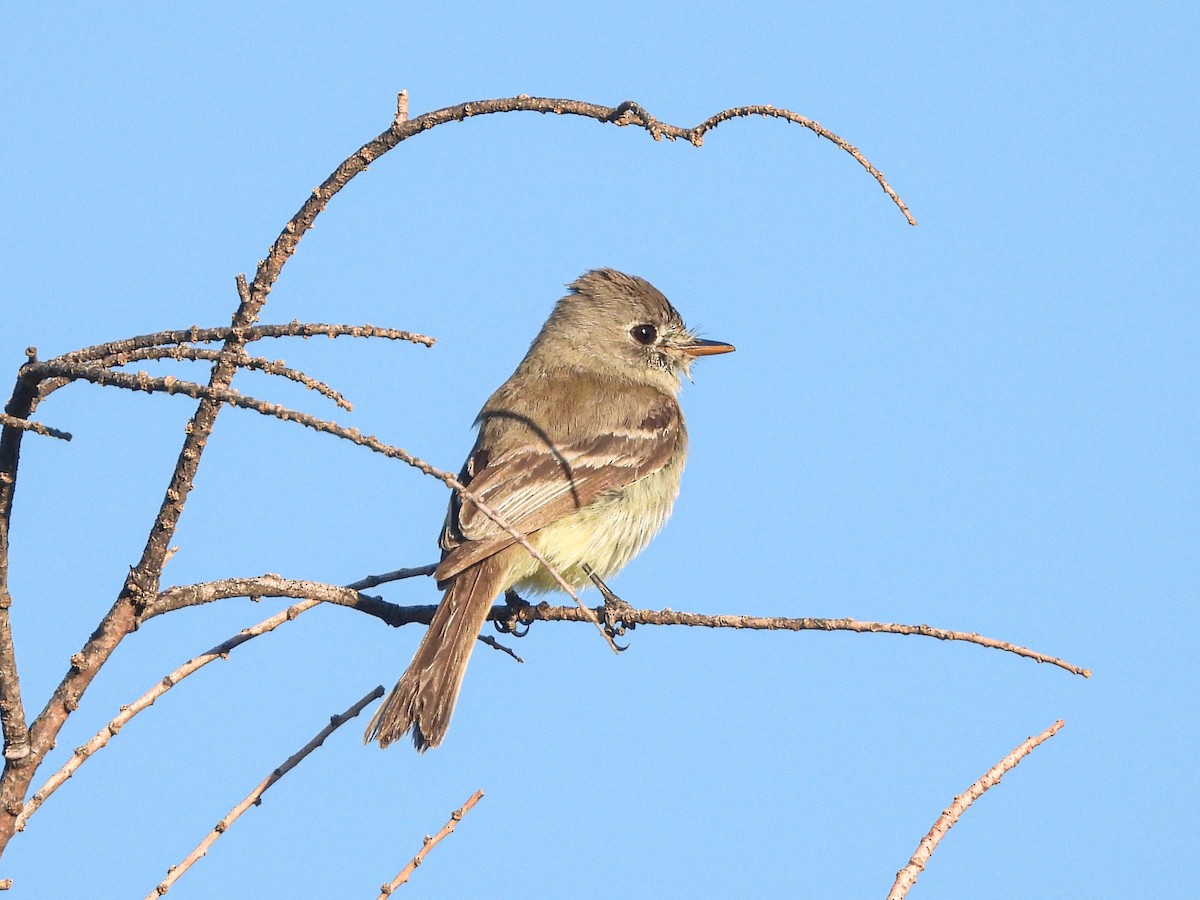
<point>580,450</point>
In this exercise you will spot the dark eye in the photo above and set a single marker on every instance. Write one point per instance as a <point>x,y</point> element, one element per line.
<point>644,334</point>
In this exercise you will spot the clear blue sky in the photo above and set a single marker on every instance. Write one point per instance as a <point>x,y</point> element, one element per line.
<point>985,423</point>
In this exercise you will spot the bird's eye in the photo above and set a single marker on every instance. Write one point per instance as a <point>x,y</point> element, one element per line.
<point>644,334</point>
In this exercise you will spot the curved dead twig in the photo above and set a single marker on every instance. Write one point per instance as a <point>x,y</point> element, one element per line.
<point>628,113</point>
<point>254,798</point>
<point>907,876</point>
<point>386,890</point>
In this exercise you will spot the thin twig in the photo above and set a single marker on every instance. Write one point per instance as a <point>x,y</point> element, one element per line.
<point>142,382</point>
<point>150,346</point>
<point>256,363</point>
<point>270,585</point>
<point>36,427</point>
<point>627,113</point>
<point>109,731</point>
<point>496,645</point>
<point>630,113</point>
<point>428,844</point>
<point>375,580</point>
<point>907,876</point>
<point>197,335</point>
<point>632,616</point>
<point>255,796</point>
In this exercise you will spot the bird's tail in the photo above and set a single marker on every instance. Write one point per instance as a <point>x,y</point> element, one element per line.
<point>424,697</point>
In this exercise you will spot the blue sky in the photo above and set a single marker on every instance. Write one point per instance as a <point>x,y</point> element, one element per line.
<point>985,423</point>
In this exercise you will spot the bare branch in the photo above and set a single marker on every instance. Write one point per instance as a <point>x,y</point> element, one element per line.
<point>255,796</point>
<point>277,586</point>
<point>36,427</point>
<point>110,731</point>
<point>17,747</point>
<point>197,335</point>
<point>256,363</point>
<point>630,113</point>
<point>168,384</point>
<point>627,113</point>
<point>907,876</point>
<point>150,346</point>
<point>119,620</point>
<point>428,844</point>
<point>270,585</point>
<point>630,616</point>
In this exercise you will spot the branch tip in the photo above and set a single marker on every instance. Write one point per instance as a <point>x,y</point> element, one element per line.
<point>907,876</point>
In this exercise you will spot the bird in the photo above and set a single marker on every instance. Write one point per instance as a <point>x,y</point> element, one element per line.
<point>581,451</point>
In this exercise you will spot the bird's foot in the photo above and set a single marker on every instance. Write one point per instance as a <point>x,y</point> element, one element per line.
<point>614,608</point>
<point>513,623</point>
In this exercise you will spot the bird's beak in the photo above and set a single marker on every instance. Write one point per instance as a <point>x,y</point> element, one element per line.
<point>700,347</point>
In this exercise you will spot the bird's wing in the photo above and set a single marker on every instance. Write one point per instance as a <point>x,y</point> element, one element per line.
<point>540,482</point>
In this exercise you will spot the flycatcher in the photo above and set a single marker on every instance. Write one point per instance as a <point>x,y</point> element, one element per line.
<point>581,451</point>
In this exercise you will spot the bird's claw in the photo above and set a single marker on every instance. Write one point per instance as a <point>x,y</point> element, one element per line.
<point>512,623</point>
<point>614,607</point>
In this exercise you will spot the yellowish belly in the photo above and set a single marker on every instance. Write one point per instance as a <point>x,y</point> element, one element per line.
<point>605,535</point>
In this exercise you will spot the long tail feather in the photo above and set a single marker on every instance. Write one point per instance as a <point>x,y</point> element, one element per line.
<point>424,697</point>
